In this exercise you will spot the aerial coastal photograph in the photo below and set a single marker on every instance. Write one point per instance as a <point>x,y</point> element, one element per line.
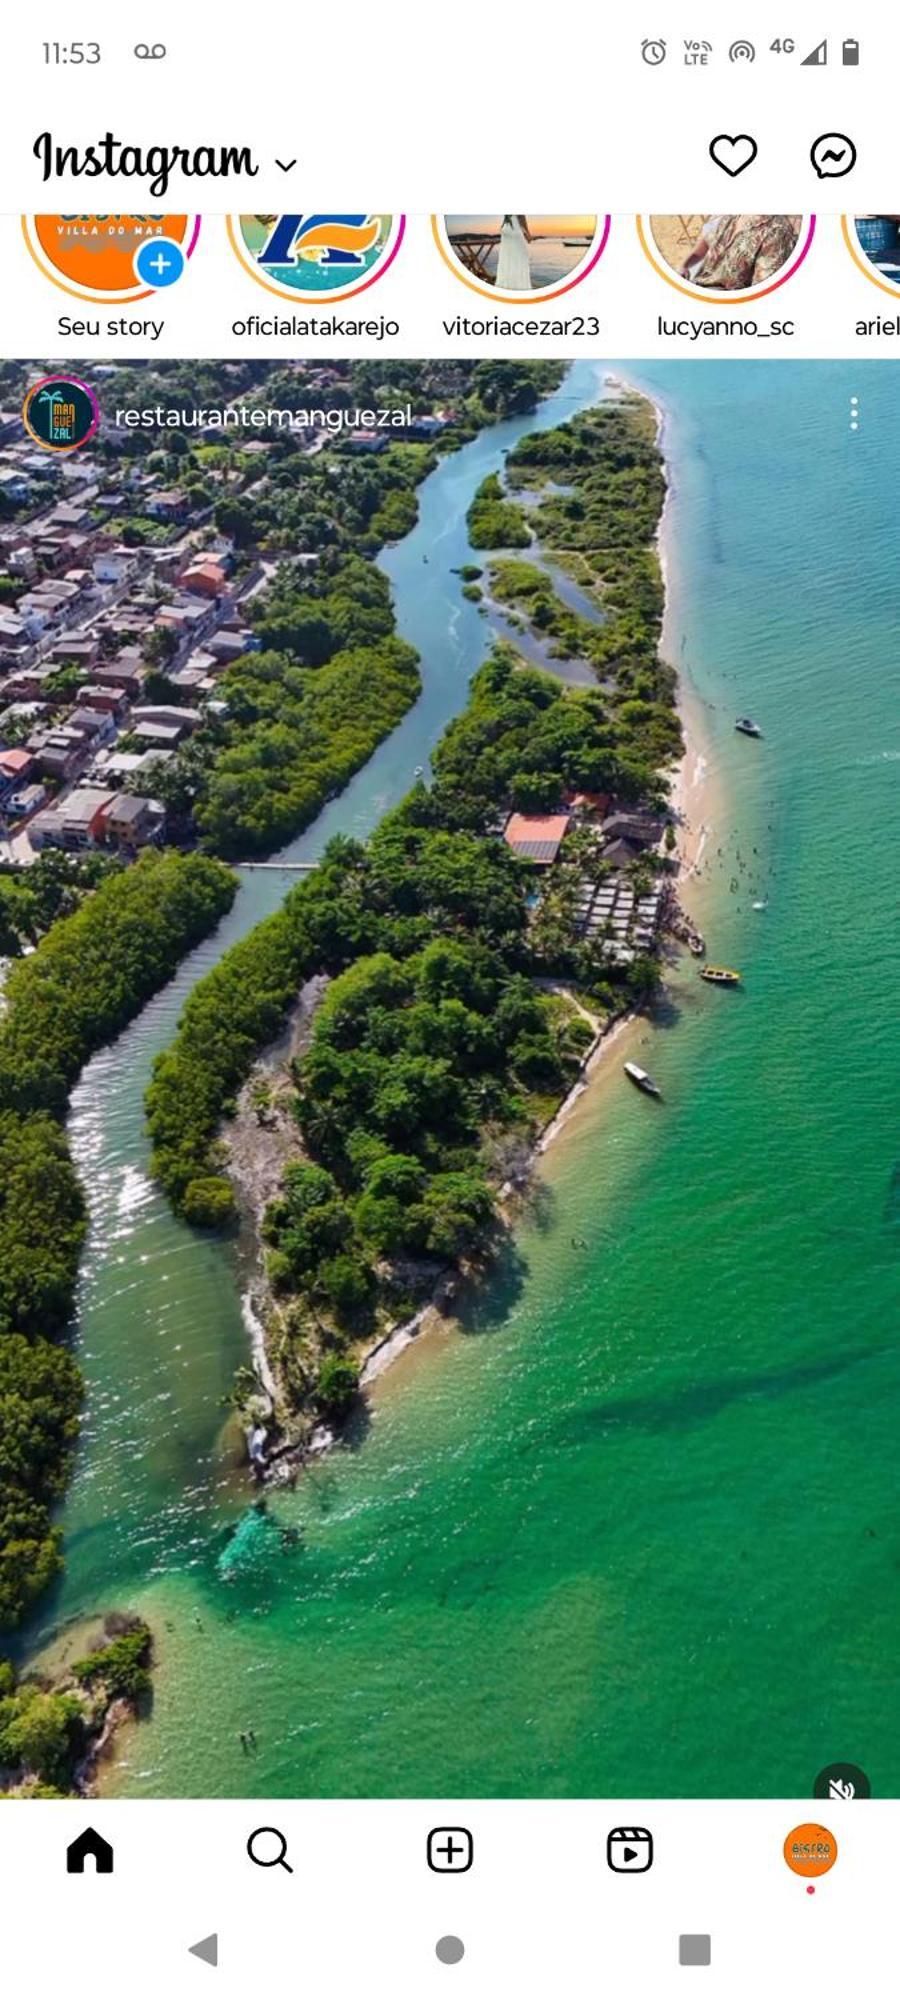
<point>449,1197</point>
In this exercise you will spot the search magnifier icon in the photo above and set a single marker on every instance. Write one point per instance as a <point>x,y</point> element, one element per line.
<point>267,1846</point>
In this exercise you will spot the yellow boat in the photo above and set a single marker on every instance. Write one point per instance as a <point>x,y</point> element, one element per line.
<point>720,975</point>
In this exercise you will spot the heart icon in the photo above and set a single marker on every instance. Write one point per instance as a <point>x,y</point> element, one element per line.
<point>733,151</point>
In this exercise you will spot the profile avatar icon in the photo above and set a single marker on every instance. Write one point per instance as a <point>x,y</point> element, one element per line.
<point>60,413</point>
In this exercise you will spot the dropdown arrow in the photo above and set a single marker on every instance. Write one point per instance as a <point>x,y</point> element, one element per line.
<point>285,165</point>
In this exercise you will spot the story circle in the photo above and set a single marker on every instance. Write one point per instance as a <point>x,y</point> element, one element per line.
<point>76,252</point>
<point>860,259</point>
<point>60,413</point>
<point>810,1849</point>
<point>712,294</point>
<point>347,253</point>
<point>537,296</point>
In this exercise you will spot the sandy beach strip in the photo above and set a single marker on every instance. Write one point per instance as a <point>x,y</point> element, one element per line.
<point>697,805</point>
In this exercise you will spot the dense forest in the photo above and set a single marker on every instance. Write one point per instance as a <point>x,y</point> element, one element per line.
<point>94,970</point>
<point>53,886</point>
<point>304,718</point>
<point>494,521</point>
<point>90,974</point>
<point>434,1054</point>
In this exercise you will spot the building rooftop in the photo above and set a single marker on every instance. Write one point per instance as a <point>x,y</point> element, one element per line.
<point>535,836</point>
<point>129,809</point>
<point>82,805</point>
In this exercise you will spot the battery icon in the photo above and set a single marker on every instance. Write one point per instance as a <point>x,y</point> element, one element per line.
<point>850,54</point>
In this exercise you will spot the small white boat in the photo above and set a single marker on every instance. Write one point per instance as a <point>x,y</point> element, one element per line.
<point>641,1080</point>
<point>747,727</point>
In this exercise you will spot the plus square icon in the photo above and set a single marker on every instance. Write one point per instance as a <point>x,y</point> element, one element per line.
<point>450,1850</point>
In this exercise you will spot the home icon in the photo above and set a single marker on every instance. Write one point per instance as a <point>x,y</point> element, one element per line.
<point>90,1846</point>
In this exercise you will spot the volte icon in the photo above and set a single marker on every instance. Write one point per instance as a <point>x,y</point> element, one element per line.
<point>629,1850</point>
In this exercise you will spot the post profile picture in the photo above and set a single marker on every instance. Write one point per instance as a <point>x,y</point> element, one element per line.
<point>728,257</point>
<point>874,245</point>
<point>519,257</point>
<point>60,413</point>
<point>109,259</point>
<point>810,1849</point>
<point>316,257</point>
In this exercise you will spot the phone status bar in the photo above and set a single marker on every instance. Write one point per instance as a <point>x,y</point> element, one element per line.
<point>689,52</point>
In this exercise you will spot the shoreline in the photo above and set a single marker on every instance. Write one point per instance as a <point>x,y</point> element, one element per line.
<point>695,801</point>
<point>690,798</point>
<point>108,1706</point>
<point>693,784</point>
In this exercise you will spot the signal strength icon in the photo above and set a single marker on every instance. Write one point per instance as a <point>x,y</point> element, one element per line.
<point>816,57</point>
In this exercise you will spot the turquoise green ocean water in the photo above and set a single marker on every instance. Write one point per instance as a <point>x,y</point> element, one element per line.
<point>634,1529</point>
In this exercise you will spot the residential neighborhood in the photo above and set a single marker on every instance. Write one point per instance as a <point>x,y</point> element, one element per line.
<point>122,604</point>
<point>78,641</point>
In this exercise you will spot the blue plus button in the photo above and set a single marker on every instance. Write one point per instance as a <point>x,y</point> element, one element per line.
<point>159,262</point>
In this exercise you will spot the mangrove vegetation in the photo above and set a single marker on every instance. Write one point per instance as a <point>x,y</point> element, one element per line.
<point>90,974</point>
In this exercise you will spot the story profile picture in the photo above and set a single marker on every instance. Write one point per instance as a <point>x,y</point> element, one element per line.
<point>316,257</point>
<point>111,259</point>
<point>810,1850</point>
<point>518,257</point>
<point>874,244</point>
<point>730,258</point>
<point>60,413</point>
